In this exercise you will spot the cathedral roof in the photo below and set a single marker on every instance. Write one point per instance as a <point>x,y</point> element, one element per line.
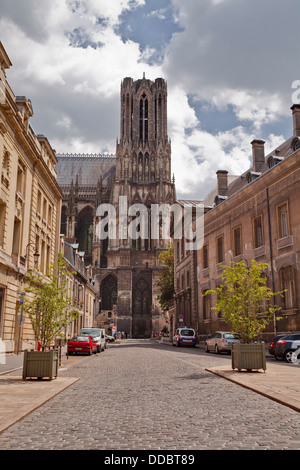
<point>87,169</point>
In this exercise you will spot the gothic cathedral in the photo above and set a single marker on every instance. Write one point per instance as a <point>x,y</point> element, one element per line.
<point>104,191</point>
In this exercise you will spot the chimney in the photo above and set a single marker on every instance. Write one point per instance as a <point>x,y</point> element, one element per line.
<point>222,182</point>
<point>258,154</point>
<point>296,119</point>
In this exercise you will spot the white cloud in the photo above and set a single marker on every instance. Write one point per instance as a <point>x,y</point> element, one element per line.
<point>69,60</point>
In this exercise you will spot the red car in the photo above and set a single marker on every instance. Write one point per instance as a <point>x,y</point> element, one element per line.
<point>82,344</point>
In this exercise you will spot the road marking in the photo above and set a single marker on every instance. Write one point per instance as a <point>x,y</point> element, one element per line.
<point>179,359</point>
<point>74,361</point>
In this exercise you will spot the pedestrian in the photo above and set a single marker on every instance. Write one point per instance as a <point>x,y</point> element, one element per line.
<point>161,337</point>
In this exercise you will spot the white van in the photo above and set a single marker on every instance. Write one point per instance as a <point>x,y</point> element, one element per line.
<point>184,336</point>
<point>98,335</point>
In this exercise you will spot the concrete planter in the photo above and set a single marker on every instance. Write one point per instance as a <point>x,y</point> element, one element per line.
<point>40,364</point>
<point>248,356</point>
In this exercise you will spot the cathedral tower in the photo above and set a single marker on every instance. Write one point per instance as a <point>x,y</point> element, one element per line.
<point>125,267</point>
<point>143,177</point>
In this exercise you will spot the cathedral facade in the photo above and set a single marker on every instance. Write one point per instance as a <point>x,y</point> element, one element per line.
<point>108,212</point>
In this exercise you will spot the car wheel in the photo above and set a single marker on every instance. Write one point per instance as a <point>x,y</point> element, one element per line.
<point>206,348</point>
<point>217,350</point>
<point>288,355</point>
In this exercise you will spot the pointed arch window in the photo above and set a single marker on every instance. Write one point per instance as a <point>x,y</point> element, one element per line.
<point>144,116</point>
<point>109,292</point>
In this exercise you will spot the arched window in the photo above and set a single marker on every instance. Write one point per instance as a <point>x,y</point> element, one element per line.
<point>84,232</point>
<point>109,292</point>
<point>144,111</point>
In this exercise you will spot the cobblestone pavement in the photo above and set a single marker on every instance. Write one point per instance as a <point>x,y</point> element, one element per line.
<point>142,395</point>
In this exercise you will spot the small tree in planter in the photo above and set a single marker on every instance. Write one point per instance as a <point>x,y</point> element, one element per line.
<point>166,277</point>
<point>47,305</point>
<point>245,301</point>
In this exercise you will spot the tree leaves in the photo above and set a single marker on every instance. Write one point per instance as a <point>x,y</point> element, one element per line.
<point>47,303</point>
<point>244,300</point>
<point>166,277</point>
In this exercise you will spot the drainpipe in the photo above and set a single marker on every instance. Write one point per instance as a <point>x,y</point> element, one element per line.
<point>271,256</point>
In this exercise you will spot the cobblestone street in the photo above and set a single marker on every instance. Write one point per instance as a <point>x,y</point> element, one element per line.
<point>143,395</point>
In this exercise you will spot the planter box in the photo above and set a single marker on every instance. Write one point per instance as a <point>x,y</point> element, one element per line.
<point>40,364</point>
<point>248,356</point>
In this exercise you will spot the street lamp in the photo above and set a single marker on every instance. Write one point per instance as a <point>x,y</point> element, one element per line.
<point>35,255</point>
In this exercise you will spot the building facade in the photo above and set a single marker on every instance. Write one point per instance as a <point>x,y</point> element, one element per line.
<point>30,208</point>
<point>256,216</point>
<point>123,189</point>
<point>81,288</point>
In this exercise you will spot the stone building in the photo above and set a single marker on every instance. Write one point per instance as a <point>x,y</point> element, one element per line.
<point>30,208</point>
<point>81,287</point>
<point>138,177</point>
<point>256,216</point>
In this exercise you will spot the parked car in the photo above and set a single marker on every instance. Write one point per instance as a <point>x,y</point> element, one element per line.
<point>98,335</point>
<point>82,344</point>
<point>273,344</point>
<point>286,346</point>
<point>109,339</point>
<point>184,336</point>
<point>221,341</point>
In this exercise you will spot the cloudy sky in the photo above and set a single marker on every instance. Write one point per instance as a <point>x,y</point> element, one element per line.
<point>229,64</point>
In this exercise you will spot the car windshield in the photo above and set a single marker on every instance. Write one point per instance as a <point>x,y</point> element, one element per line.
<point>187,332</point>
<point>231,336</point>
<point>91,332</point>
<point>80,339</point>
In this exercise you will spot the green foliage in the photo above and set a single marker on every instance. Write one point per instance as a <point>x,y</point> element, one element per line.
<point>47,304</point>
<point>244,299</point>
<point>166,277</point>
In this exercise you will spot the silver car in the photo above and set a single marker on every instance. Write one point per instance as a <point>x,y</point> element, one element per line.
<point>221,341</point>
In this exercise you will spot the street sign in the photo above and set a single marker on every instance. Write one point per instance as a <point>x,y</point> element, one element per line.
<point>21,298</point>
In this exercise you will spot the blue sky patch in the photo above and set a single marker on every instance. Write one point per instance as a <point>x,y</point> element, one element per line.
<point>151,25</point>
<point>79,38</point>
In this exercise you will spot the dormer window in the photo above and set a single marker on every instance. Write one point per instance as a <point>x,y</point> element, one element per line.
<point>272,161</point>
<point>252,175</point>
<point>219,199</point>
<point>295,145</point>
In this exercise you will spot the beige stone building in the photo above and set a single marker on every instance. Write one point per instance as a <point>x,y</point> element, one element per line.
<point>30,220</point>
<point>81,288</point>
<point>256,216</point>
<point>30,207</point>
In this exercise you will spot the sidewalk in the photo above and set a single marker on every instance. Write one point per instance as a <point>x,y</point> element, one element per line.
<point>280,382</point>
<point>20,397</point>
